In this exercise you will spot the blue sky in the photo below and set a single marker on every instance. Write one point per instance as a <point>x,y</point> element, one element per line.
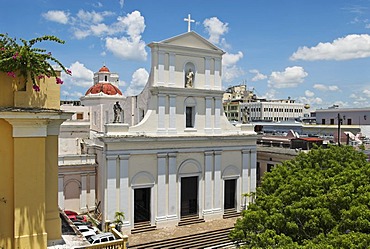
<point>314,51</point>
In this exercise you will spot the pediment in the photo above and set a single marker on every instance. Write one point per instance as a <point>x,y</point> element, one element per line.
<point>191,39</point>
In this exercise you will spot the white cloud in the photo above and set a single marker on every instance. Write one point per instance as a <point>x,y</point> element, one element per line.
<point>366,92</point>
<point>257,75</point>
<point>99,29</point>
<point>230,70</point>
<point>333,88</point>
<point>215,28</point>
<point>80,33</point>
<point>290,77</point>
<point>57,16</point>
<point>344,48</point>
<point>66,95</point>
<point>90,17</point>
<point>121,3</point>
<point>231,59</point>
<point>322,87</point>
<point>133,24</point>
<point>308,93</point>
<point>125,49</point>
<point>81,76</point>
<point>131,47</point>
<point>138,81</point>
<point>310,100</point>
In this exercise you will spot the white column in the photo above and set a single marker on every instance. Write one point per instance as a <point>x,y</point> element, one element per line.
<point>208,190</point>
<point>61,192</point>
<point>172,114</point>
<point>208,118</point>
<point>218,113</point>
<point>161,187</point>
<point>111,197</point>
<point>171,69</point>
<point>161,68</point>
<point>207,66</point>
<point>92,196</point>
<point>245,175</point>
<point>217,74</point>
<point>217,182</point>
<point>83,196</point>
<point>124,189</point>
<point>172,186</point>
<point>161,113</point>
<point>253,167</point>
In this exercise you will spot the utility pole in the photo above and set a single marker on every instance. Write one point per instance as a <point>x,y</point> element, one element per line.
<point>339,121</point>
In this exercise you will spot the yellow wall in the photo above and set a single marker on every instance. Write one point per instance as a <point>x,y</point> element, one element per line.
<point>29,193</point>
<point>6,185</point>
<point>51,180</point>
<point>12,95</point>
<point>28,166</point>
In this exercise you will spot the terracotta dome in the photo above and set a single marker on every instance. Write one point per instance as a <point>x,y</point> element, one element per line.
<point>106,88</point>
<point>104,69</point>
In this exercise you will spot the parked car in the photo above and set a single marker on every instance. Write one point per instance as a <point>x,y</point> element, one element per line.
<point>79,227</point>
<point>81,223</point>
<point>73,216</point>
<point>86,231</point>
<point>100,238</point>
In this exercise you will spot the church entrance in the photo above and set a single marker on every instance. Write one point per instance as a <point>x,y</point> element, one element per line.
<point>229,197</point>
<point>141,205</point>
<point>189,196</point>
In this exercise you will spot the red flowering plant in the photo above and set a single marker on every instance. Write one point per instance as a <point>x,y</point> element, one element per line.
<point>27,61</point>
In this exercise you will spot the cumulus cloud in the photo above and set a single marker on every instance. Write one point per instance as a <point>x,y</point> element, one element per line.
<point>215,29</point>
<point>325,88</point>
<point>230,70</point>
<point>257,75</point>
<point>310,100</point>
<point>366,92</point>
<point>125,48</point>
<point>290,77</point>
<point>344,48</point>
<point>56,16</point>
<point>81,76</point>
<point>131,47</point>
<point>138,81</point>
<point>67,95</point>
<point>309,93</point>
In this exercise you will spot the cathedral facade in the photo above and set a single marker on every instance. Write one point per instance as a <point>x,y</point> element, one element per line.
<point>174,154</point>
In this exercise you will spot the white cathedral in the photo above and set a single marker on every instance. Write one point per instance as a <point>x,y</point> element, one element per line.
<point>173,154</point>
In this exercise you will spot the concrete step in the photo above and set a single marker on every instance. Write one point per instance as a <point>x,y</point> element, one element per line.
<point>199,240</point>
<point>230,213</point>
<point>141,227</point>
<point>189,220</point>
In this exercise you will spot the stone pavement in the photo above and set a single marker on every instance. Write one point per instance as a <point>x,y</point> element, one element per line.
<point>174,232</point>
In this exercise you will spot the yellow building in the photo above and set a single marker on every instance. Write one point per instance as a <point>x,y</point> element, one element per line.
<point>29,128</point>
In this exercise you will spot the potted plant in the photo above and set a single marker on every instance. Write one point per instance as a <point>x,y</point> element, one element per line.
<point>118,219</point>
<point>22,64</point>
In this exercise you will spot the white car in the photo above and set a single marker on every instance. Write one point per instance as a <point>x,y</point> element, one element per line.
<point>86,231</point>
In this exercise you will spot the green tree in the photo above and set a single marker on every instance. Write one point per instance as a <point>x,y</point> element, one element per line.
<point>320,199</point>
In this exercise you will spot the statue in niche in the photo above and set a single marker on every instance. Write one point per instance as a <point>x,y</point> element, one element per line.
<point>189,78</point>
<point>117,111</point>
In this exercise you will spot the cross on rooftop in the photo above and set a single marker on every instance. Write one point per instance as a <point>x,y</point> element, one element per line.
<point>189,20</point>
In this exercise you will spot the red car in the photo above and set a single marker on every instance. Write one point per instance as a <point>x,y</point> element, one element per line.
<point>73,216</point>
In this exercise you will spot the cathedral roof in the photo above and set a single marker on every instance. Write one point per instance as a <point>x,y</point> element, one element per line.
<point>104,69</point>
<point>106,88</point>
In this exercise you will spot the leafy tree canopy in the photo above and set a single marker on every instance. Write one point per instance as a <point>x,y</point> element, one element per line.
<point>317,200</point>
